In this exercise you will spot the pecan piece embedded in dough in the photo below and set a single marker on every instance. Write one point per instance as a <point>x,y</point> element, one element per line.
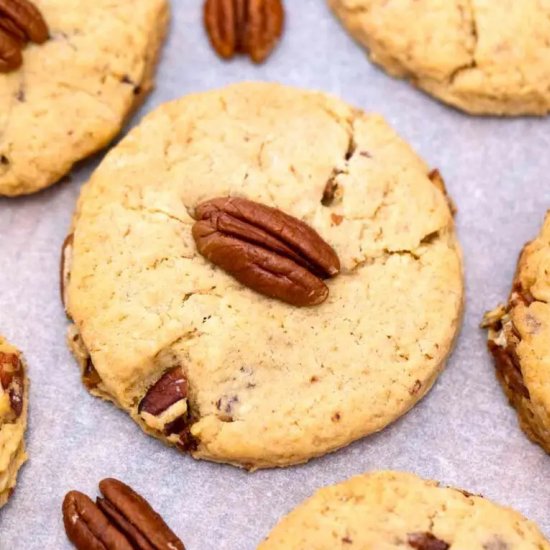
<point>426,541</point>
<point>164,408</point>
<point>265,249</point>
<point>12,384</point>
<point>171,388</point>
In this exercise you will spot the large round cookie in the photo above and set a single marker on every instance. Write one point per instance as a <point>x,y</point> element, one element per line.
<point>269,384</point>
<point>394,510</point>
<point>14,392</point>
<point>519,338</point>
<point>73,93</point>
<point>482,56</point>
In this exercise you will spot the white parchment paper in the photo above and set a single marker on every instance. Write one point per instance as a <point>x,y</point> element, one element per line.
<point>463,433</point>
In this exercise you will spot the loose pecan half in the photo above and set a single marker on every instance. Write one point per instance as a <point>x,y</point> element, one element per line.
<point>27,17</point>
<point>265,249</point>
<point>88,528</point>
<point>134,517</point>
<point>426,541</point>
<point>12,382</point>
<point>250,27</point>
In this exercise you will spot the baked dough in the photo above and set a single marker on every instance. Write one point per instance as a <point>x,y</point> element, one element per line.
<point>481,56</point>
<point>13,417</point>
<point>269,384</point>
<point>394,510</point>
<point>74,93</point>
<point>519,338</point>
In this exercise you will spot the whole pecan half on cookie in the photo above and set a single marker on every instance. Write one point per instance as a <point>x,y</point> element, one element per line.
<point>265,249</point>
<point>20,21</point>
<point>251,27</point>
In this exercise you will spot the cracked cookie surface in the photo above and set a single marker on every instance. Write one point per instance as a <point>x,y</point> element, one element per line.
<point>481,56</point>
<point>519,339</point>
<point>74,92</point>
<point>14,391</point>
<point>267,384</point>
<point>395,510</point>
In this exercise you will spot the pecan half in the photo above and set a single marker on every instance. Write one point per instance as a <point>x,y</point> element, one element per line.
<point>20,21</point>
<point>12,382</point>
<point>10,52</point>
<point>27,17</point>
<point>88,528</point>
<point>133,516</point>
<point>250,27</point>
<point>265,249</point>
<point>12,29</point>
<point>426,541</point>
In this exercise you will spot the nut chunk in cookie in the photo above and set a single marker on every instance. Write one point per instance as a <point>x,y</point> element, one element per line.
<point>519,339</point>
<point>232,272</point>
<point>13,417</point>
<point>396,510</point>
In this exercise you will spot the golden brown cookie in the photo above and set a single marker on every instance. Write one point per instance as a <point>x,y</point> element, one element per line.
<point>482,56</point>
<point>519,339</point>
<point>399,511</point>
<point>14,394</point>
<point>202,360</point>
<point>73,93</point>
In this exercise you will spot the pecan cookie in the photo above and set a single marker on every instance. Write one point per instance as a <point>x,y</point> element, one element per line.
<point>519,339</point>
<point>14,390</point>
<point>481,56</point>
<point>73,93</point>
<point>396,510</point>
<point>261,275</point>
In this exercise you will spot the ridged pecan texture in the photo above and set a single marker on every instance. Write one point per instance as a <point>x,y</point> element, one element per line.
<point>251,27</point>
<point>265,249</point>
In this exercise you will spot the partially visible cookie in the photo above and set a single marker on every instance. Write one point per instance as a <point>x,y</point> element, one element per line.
<point>394,510</point>
<point>73,93</point>
<point>519,339</point>
<point>482,56</point>
<point>14,390</point>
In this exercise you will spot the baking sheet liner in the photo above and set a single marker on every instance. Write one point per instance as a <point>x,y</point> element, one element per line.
<point>463,433</point>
